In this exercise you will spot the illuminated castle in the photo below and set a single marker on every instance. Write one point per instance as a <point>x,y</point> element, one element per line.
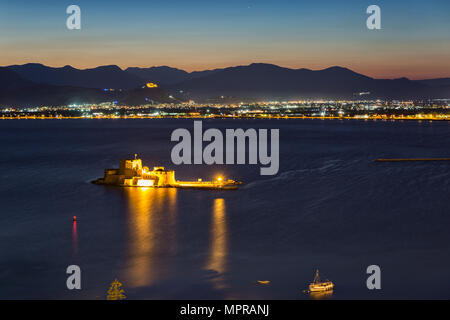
<point>131,173</point>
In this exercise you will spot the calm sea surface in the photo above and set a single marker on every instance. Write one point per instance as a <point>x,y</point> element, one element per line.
<point>330,207</point>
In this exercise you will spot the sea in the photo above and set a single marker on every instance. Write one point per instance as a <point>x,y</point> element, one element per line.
<point>330,207</point>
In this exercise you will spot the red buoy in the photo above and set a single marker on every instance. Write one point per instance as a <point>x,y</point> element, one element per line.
<point>74,218</point>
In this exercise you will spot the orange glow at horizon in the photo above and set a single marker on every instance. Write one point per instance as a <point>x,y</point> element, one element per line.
<point>415,67</point>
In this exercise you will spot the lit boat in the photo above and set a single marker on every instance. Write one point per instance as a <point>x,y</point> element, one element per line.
<point>319,286</point>
<point>264,282</point>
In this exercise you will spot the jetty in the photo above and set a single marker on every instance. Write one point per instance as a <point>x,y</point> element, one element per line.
<point>412,159</point>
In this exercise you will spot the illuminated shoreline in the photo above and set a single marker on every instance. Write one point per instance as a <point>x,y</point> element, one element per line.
<point>422,117</point>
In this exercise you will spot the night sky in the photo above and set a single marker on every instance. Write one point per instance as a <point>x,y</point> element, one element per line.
<point>195,35</point>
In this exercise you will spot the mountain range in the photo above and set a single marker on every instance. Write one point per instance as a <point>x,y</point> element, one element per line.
<point>37,84</point>
<point>266,81</point>
<point>17,91</point>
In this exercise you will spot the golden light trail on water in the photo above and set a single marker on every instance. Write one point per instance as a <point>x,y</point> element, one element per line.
<point>152,233</point>
<point>140,271</point>
<point>219,242</point>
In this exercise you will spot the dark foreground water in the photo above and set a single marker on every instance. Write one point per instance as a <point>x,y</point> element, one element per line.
<point>330,207</point>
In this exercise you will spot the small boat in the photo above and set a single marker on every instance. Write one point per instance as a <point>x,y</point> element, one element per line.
<point>320,286</point>
<point>265,282</point>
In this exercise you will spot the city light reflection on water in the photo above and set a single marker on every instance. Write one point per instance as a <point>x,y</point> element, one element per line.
<point>152,237</point>
<point>151,212</point>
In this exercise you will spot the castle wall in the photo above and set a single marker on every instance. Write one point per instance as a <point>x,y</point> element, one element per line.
<point>164,178</point>
<point>131,173</point>
<point>129,167</point>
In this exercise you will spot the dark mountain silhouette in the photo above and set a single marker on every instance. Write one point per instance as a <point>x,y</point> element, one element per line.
<point>10,80</point>
<point>165,75</point>
<point>144,95</point>
<point>258,81</point>
<point>16,91</point>
<point>266,81</point>
<point>436,82</point>
<point>100,77</point>
<point>161,75</point>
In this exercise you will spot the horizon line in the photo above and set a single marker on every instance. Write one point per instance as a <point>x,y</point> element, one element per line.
<point>220,68</point>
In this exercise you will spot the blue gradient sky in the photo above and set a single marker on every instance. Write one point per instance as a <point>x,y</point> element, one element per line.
<point>193,35</point>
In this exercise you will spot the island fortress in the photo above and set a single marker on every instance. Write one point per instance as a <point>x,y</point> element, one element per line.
<point>131,173</point>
